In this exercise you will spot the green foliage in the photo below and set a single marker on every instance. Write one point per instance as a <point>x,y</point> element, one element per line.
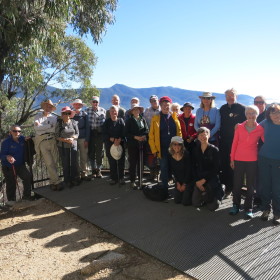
<point>35,52</point>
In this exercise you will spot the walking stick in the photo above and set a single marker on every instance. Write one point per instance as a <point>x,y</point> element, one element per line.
<point>14,171</point>
<point>140,164</point>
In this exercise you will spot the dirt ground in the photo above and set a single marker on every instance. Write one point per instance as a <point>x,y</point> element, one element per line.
<point>39,240</point>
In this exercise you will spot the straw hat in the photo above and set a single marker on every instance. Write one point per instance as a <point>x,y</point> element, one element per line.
<point>207,94</point>
<point>177,139</point>
<point>48,102</point>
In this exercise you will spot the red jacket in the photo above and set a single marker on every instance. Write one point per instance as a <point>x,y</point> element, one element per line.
<point>190,130</point>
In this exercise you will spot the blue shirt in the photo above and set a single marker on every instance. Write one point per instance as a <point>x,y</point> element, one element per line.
<point>167,131</point>
<point>271,146</point>
<point>210,119</point>
<point>83,125</point>
<point>12,148</point>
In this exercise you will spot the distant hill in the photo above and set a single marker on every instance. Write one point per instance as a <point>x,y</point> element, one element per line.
<point>176,94</point>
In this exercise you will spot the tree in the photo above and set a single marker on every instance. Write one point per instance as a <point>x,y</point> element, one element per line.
<point>36,25</point>
<point>70,60</point>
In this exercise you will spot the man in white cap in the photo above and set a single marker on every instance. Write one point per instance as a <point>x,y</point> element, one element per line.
<point>84,133</point>
<point>96,116</point>
<point>116,102</point>
<point>45,142</point>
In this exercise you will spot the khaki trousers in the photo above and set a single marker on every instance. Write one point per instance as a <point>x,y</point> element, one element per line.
<point>82,157</point>
<point>49,153</point>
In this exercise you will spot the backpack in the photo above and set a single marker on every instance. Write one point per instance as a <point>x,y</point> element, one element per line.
<point>155,192</point>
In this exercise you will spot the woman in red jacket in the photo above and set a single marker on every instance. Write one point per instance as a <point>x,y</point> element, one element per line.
<point>187,125</point>
<point>243,159</point>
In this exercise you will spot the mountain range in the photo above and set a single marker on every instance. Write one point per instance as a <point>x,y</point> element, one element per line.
<point>176,94</point>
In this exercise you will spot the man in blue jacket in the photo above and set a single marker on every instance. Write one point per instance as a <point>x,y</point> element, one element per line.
<point>13,165</point>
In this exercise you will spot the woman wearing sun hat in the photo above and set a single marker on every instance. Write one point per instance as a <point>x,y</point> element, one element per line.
<point>67,133</point>
<point>208,116</point>
<point>136,131</point>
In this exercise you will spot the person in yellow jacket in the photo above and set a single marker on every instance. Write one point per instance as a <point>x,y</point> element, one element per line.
<point>163,127</point>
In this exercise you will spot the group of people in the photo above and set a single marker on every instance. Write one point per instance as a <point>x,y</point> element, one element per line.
<point>202,152</point>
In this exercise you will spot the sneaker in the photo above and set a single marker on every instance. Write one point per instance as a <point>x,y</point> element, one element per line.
<point>234,210</point>
<point>249,214</point>
<point>99,174</point>
<point>112,182</point>
<point>265,215</point>
<point>276,220</point>
<point>10,203</point>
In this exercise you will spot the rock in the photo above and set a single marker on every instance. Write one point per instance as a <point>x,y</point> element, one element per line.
<point>109,259</point>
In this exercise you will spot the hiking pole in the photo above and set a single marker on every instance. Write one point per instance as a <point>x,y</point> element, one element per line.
<point>17,185</point>
<point>118,173</point>
<point>140,164</point>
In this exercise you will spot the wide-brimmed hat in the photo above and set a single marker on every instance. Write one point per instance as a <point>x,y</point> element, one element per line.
<point>207,94</point>
<point>48,102</point>
<point>177,139</point>
<point>116,151</point>
<point>165,98</point>
<point>187,104</point>
<point>68,109</point>
<point>133,106</point>
<point>77,101</point>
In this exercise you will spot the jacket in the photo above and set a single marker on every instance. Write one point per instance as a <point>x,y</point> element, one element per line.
<point>245,144</point>
<point>189,131</point>
<point>154,134</point>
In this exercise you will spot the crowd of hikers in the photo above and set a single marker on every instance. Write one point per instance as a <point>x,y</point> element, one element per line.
<point>208,155</point>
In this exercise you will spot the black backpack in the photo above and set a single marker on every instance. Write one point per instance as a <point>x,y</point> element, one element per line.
<point>155,192</point>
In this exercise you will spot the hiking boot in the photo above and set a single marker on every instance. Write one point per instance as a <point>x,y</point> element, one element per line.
<point>122,182</point>
<point>27,198</point>
<point>112,182</point>
<point>10,203</point>
<point>265,215</point>
<point>99,174</point>
<point>86,178</point>
<point>76,182</point>
<point>234,210</point>
<point>53,187</point>
<point>249,214</point>
<point>133,185</point>
<point>276,220</point>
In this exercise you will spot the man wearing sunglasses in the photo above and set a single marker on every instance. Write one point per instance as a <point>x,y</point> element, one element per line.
<point>96,117</point>
<point>13,165</point>
<point>260,102</point>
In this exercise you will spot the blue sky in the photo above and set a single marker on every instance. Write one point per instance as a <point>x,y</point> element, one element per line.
<point>208,45</point>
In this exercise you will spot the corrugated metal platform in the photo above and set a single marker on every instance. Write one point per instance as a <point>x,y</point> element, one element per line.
<point>203,244</point>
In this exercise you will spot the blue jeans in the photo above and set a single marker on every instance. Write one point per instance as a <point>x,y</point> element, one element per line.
<point>164,169</point>
<point>270,180</point>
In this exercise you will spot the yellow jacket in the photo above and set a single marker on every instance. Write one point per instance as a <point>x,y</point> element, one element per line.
<point>154,134</point>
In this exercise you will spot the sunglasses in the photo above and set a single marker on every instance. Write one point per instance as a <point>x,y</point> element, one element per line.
<point>206,98</point>
<point>66,113</point>
<point>94,101</point>
<point>258,102</point>
<point>176,144</point>
<point>16,131</point>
